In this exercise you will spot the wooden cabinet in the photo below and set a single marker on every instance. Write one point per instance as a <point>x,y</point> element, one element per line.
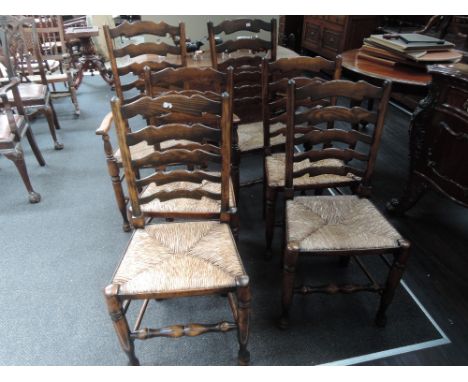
<point>330,35</point>
<point>439,140</point>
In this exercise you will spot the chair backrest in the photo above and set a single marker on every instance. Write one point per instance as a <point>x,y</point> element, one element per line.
<point>143,54</point>
<point>208,81</point>
<point>209,146</point>
<point>275,78</point>
<point>20,46</point>
<point>346,137</point>
<point>51,35</point>
<point>242,55</point>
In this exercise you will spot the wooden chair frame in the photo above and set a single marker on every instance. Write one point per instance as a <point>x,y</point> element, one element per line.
<point>275,76</point>
<point>184,106</point>
<point>21,61</point>
<point>51,35</point>
<point>12,148</point>
<point>356,91</point>
<point>136,68</point>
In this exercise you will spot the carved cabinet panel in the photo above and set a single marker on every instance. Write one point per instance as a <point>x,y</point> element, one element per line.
<point>330,35</point>
<point>439,133</point>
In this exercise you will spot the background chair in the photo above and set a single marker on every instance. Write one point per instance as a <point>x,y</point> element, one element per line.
<point>179,259</point>
<point>57,60</point>
<point>172,80</point>
<point>146,54</point>
<point>13,127</point>
<point>275,75</point>
<point>342,225</point>
<point>247,98</point>
<point>21,62</point>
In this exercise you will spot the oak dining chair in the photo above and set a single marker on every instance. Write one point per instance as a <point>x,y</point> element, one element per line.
<point>275,76</point>
<point>245,54</point>
<point>179,259</point>
<point>344,225</point>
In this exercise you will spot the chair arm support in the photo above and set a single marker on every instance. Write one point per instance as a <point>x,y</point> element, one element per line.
<point>5,89</point>
<point>106,124</point>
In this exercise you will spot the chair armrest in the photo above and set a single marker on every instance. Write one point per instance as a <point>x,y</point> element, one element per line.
<point>106,124</point>
<point>5,89</point>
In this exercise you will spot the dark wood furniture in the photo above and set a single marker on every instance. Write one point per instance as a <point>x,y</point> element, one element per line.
<point>57,61</point>
<point>186,259</point>
<point>329,36</point>
<point>22,58</point>
<point>245,55</point>
<point>13,127</point>
<point>404,78</point>
<point>275,76</point>
<point>439,140</point>
<point>129,84</point>
<point>88,60</point>
<point>151,54</point>
<point>343,225</point>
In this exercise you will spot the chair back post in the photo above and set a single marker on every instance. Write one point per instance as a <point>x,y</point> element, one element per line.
<point>122,128</point>
<point>274,40</point>
<point>364,188</point>
<point>211,39</point>
<point>290,122</point>
<point>226,136</point>
<point>265,107</point>
<point>113,62</point>
<point>183,44</point>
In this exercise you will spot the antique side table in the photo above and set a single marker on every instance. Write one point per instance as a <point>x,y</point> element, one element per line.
<point>89,60</point>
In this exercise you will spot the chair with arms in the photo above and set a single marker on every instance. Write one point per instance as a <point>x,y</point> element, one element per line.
<point>247,97</point>
<point>21,61</point>
<point>343,225</point>
<point>189,259</point>
<point>275,77</point>
<point>57,60</point>
<point>142,55</point>
<point>13,127</point>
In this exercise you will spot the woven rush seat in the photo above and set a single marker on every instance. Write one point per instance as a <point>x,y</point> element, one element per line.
<point>137,151</point>
<point>142,149</point>
<point>251,136</point>
<point>204,205</point>
<point>329,223</point>
<point>275,168</point>
<point>179,257</point>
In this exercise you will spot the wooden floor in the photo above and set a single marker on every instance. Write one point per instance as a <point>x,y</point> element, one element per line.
<point>438,230</point>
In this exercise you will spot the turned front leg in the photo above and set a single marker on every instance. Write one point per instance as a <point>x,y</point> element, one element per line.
<point>114,306</point>
<point>243,319</point>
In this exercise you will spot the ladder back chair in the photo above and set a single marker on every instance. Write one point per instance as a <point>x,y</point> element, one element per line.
<point>208,82</point>
<point>135,57</point>
<point>275,76</point>
<point>342,225</point>
<point>237,53</point>
<point>154,81</point>
<point>170,260</point>
<point>57,60</point>
<point>17,36</point>
<point>132,58</point>
<point>13,127</point>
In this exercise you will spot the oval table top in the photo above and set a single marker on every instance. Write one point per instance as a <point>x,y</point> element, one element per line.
<point>402,75</point>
